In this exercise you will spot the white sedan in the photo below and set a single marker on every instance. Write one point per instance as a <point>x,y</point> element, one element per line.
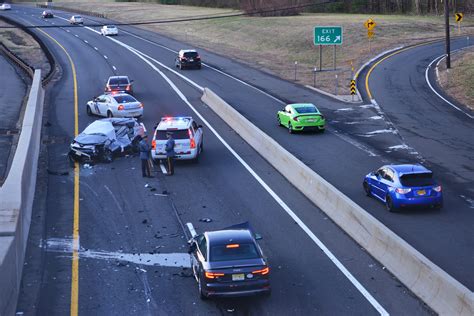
<point>76,19</point>
<point>109,30</point>
<point>5,6</point>
<point>115,105</point>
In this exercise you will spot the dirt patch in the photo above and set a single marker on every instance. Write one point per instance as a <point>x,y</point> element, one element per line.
<point>275,43</point>
<point>25,47</point>
<point>458,81</point>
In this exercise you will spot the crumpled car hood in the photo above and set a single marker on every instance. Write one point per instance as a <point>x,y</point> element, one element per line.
<point>87,139</point>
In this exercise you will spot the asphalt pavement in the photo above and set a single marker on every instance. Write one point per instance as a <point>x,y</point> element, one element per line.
<point>122,221</point>
<point>12,92</point>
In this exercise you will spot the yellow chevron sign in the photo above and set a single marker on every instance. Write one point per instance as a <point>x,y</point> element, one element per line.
<point>353,87</point>
<point>458,16</point>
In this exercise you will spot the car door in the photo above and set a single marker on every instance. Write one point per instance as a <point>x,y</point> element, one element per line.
<point>197,133</point>
<point>102,104</point>
<point>375,183</point>
<point>199,254</point>
<point>286,116</point>
<point>387,182</point>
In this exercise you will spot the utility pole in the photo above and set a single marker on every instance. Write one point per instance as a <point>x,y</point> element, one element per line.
<point>448,44</point>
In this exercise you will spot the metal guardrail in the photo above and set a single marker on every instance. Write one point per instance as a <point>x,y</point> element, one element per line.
<point>17,60</point>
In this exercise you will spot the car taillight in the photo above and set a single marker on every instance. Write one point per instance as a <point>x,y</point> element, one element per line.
<point>140,105</point>
<point>262,271</point>
<point>402,191</point>
<point>437,189</point>
<point>198,57</point>
<point>213,275</point>
<point>295,118</point>
<point>120,107</point>
<point>107,88</point>
<point>128,87</point>
<point>153,144</point>
<point>183,58</point>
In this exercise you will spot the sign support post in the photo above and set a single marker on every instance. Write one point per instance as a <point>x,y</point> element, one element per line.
<point>327,35</point>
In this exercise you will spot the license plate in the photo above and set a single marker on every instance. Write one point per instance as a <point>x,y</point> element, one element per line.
<point>421,192</point>
<point>311,120</point>
<point>191,59</point>
<point>238,277</point>
<point>176,147</point>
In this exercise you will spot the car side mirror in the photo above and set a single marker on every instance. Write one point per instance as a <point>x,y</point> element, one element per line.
<point>258,237</point>
<point>199,126</point>
<point>132,81</point>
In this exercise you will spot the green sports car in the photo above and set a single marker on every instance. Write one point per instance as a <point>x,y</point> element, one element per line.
<point>301,117</point>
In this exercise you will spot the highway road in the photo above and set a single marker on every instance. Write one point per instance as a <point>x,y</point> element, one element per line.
<point>119,221</point>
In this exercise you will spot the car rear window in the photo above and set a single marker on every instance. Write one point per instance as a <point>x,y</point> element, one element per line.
<point>417,180</point>
<point>110,26</point>
<point>306,109</point>
<point>190,54</point>
<point>242,252</point>
<point>121,81</point>
<point>124,99</point>
<point>177,134</point>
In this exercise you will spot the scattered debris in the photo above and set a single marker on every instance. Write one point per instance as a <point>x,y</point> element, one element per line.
<point>144,221</point>
<point>205,220</point>
<point>87,166</point>
<point>152,189</point>
<point>47,124</point>
<point>147,185</point>
<point>58,173</point>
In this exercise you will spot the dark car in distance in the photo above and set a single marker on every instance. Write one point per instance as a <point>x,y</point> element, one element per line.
<point>188,58</point>
<point>47,14</point>
<point>119,84</point>
<point>229,263</point>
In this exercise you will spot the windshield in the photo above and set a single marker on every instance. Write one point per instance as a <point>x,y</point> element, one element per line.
<point>190,54</point>
<point>119,81</point>
<point>417,180</point>
<point>177,134</point>
<point>306,109</point>
<point>242,252</point>
<point>124,99</point>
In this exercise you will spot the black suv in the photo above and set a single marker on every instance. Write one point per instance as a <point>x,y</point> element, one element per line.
<point>119,84</point>
<point>188,58</point>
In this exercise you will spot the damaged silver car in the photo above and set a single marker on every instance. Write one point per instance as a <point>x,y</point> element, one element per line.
<point>105,138</point>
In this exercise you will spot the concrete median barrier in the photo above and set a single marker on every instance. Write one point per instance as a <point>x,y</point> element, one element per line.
<point>434,286</point>
<point>16,199</point>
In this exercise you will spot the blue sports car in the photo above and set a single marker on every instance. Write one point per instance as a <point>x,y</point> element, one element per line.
<point>403,186</point>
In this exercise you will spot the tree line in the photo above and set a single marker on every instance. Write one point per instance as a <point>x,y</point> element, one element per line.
<point>270,7</point>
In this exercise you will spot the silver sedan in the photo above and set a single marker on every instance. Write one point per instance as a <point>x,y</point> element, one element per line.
<point>115,105</point>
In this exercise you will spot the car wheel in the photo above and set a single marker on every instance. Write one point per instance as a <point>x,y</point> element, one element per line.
<point>279,120</point>
<point>199,67</point>
<point>367,189</point>
<point>109,114</point>
<point>201,148</point>
<point>107,156</point>
<point>202,294</point>
<point>389,204</point>
<point>88,110</point>
<point>290,129</point>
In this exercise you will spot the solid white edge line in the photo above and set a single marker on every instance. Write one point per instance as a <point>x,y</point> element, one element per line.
<point>114,67</point>
<point>300,223</point>
<point>434,90</point>
<point>191,229</point>
<point>105,56</point>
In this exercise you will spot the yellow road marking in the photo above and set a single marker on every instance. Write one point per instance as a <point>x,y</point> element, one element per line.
<point>369,94</point>
<point>75,230</point>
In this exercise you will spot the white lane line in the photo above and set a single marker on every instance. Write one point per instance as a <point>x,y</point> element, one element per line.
<point>191,229</point>
<point>76,35</point>
<point>96,48</point>
<point>114,67</point>
<point>163,169</point>
<point>210,67</point>
<point>68,31</point>
<point>436,92</point>
<point>105,56</point>
<point>285,207</point>
<point>85,41</point>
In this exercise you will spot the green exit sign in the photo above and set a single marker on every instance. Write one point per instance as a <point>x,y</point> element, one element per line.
<point>328,35</point>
